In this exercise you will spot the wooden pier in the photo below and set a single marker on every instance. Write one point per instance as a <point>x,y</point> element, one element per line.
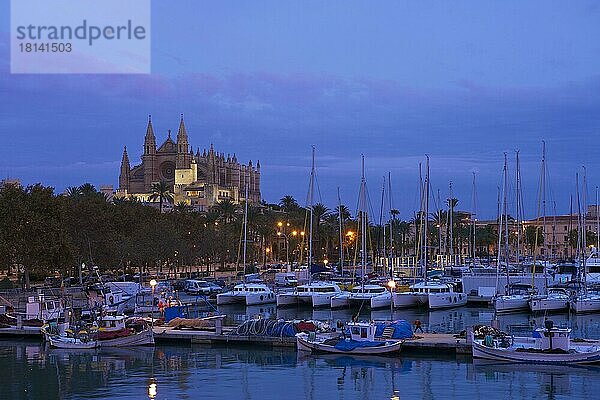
<point>429,343</point>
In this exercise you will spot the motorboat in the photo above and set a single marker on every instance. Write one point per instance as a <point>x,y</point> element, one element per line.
<point>358,339</point>
<point>548,345</point>
<point>248,294</point>
<point>315,294</point>
<point>434,295</point>
<point>557,299</point>
<point>371,296</point>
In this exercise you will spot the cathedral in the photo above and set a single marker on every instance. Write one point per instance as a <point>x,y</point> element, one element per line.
<point>199,180</point>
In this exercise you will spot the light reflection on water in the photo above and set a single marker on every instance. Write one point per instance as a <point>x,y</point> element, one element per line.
<point>31,371</point>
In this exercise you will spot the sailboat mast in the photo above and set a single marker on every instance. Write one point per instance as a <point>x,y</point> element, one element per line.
<point>363,220</point>
<point>425,217</point>
<point>474,219</point>
<point>518,208</point>
<point>245,228</point>
<point>381,249</point>
<point>341,229</point>
<point>451,223</point>
<point>311,201</point>
<point>597,224</point>
<point>543,189</point>
<point>505,211</point>
<point>584,227</point>
<point>392,218</point>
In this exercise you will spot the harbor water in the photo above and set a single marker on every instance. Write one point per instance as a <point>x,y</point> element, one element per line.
<point>30,370</point>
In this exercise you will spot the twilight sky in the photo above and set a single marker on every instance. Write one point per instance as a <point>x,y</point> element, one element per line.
<point>462,81</point>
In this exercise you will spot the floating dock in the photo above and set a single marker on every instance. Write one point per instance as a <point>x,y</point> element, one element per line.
<point>423,342</point>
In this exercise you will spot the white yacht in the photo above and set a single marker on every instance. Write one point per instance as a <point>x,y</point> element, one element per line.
<point>557,299</point>
<point>316,294</point>
<point>248,294</point>
<point>592,266</point>
<point>434,295</point>
<point>511,302</point>
<point>371,296</point>
<point>585,303</point>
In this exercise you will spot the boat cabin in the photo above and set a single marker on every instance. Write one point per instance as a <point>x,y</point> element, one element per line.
<point>43,309</point>
<point>552,339</point>
<point>318,288</point>
<point>372,289</point>
<point>362,331</point>
<point>251,288</point>
<point>112,323</point>
<point>432,288</point>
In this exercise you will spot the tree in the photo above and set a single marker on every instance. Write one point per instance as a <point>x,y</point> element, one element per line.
<point>288,203</point>
<point>226,210</point>
<point>160,190</point>
<point>533,236</point>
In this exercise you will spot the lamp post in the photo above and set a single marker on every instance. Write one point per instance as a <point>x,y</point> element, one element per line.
<point>287,249</point>
<point>392,285</point>
<point>153,284</point>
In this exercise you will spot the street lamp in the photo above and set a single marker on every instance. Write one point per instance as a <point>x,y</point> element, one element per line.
<point>287,249</point>
<point>153,284</point>
<point>392,285</point>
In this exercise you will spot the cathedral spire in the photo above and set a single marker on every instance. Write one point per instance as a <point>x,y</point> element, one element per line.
<point>125,159</point>
<point>124,174</point>
<point>150,139</point>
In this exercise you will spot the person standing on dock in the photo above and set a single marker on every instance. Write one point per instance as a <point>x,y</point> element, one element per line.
<point>417,324</point>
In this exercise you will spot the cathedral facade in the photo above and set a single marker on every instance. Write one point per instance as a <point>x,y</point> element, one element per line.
<point>198,179</point>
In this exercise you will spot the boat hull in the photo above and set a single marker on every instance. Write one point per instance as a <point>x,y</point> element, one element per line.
<point>585,305</point>
<point>543,304</point>
<point>446,300</point>
<point>143,338</point>
<point>304,345</point>
<point>61,343</point>
<point>489,353</point>
<point>511,303</point>
<point>340,301</point>
<point>408,299</point>
<point>249,299</point>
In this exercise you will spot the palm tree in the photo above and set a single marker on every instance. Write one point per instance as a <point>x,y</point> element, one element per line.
<point>345,212</point>
<point>160,190</point>
<point>182,207</point>
<point>87,190</point>
<point>73,192</point>
<point>288,203</point>
<point>226,210</point>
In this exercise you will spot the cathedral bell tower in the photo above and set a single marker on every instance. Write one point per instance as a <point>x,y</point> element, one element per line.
<point>149,157</point>
<point>124,175</point>
<point>183,149</point>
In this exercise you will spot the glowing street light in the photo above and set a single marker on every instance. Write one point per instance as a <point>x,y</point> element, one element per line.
<point>280,224</point>
<point>153,284</point>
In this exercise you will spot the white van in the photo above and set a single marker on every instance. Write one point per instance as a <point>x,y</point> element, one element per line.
<point>286,279</point>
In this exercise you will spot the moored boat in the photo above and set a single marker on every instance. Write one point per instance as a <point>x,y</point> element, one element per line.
<point>362,341</point>
<point>549,345</point>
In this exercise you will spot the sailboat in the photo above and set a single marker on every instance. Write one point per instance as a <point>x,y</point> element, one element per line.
<point>249,294</point>
<point>510,301</point>
<point>584,301</point>
<point>368,295</point>
<point>556,299</point>
<point>432,294</point>
<point>317,294</point>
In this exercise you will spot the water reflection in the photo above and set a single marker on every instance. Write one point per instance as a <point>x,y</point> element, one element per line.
<point>33,371</point>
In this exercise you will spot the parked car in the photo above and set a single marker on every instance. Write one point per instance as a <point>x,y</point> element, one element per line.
<point>193,286</point>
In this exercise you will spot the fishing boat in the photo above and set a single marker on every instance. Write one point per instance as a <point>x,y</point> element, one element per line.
<point>361,341</point>
<point>557,299</point>
<point>62,337</point>
<point>548,345</point>
<point>114,332</point>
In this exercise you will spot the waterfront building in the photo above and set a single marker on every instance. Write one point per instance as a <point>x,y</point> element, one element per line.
<point>197,179</point>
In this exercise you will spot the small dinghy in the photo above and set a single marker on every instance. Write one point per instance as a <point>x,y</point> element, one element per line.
<point>69,339</point>
<point>548,345</point>
<point>362,341</point>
